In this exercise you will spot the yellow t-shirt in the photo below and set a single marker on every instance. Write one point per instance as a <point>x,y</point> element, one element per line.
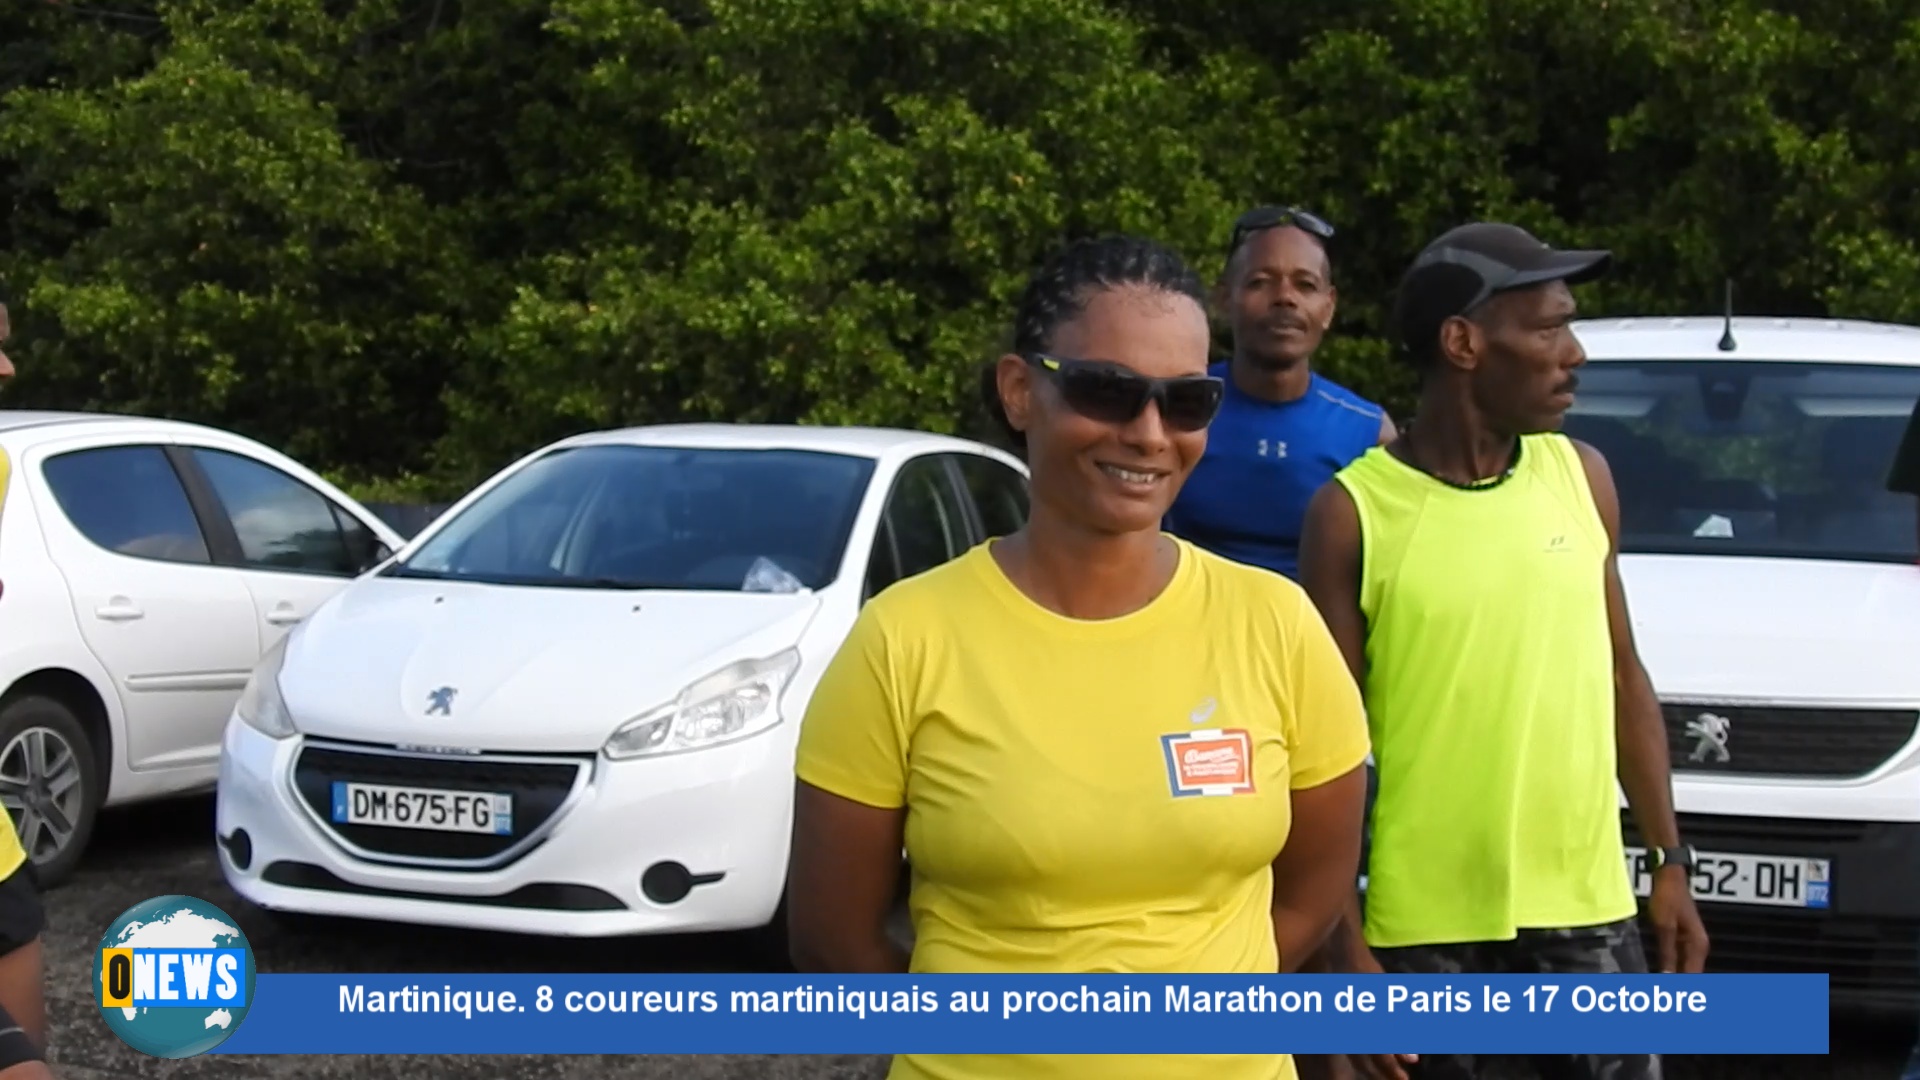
<point>12,854</point>
<point>1078,793</point>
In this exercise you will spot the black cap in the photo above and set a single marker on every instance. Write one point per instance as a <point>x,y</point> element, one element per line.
<point>1466,265</point>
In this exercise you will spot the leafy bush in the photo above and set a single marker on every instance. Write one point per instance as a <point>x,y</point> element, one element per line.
<point>403,238</point>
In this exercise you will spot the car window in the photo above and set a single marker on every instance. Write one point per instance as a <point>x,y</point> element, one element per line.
<point>998,490</point>
<point>128,499</point>
<point>364,546</point>
<point>282,523</point>
<point>883,567</point>
<point>661,517</point>
<point>1774,458</point>
<point>925,524</point>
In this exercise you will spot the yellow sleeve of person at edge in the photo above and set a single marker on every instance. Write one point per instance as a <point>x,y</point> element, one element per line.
<point>1076,797</point>
<point>11,853</point>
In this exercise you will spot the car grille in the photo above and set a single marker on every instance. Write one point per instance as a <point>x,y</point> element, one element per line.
<point>539,789</point>
<point>1868,945</point>
<point>1764,835</point>
<point>1861,957</point>
<point>1787,742</point>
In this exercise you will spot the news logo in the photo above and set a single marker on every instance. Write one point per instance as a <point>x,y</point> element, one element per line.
<point>174,976</point>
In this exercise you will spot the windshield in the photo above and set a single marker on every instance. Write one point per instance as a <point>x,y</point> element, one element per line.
<point>656,518</point>
<point>1753,458</point>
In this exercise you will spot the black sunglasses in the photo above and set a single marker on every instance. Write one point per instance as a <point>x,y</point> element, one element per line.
<point>1261,218</point>
<point>1111,394</point>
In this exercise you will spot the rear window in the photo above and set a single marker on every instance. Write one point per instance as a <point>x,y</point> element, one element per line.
<point>128,500</point>
<point>1767,458</point>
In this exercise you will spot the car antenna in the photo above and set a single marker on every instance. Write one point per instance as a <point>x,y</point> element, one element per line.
<point>1726,336</point>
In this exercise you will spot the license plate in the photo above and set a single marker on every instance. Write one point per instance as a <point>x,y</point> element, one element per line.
<point>1765,880</point>
<point>485,812</point>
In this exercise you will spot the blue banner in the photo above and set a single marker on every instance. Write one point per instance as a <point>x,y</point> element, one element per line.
<point>1072,1014</point>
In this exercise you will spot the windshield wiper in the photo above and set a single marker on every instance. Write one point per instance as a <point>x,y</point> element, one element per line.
<point>401,570</point>
<point>610,583</point>
<point>532,580</point>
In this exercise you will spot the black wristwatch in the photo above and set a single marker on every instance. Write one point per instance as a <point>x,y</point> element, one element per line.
<point>1681,856</point>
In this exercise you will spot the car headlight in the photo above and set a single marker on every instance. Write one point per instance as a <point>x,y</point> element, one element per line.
<point>736,702</point>
<point>261,705</point>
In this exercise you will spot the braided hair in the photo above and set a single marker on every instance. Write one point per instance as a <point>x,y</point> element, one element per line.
<point>1059,292</point>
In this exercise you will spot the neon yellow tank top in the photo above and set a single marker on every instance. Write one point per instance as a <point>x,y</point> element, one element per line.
<point>12,853</point>
<point>1490,696</point>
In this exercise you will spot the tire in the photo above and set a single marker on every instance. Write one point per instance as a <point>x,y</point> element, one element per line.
<point>42,746</point>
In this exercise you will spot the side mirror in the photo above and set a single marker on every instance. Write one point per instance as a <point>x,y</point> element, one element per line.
<point>380,553</point>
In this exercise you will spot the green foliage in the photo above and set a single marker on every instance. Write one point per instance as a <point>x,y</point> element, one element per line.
<point>409,240</point>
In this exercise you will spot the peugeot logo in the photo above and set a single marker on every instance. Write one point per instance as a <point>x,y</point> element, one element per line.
<point>1710,733</point>
<point>441,701</point>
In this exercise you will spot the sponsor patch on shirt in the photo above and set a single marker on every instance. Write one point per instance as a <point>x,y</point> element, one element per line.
<point>1218,762</point>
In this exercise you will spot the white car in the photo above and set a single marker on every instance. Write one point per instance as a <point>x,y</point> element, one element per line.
<point>1776,599</point>
<point>570,706</point>
<point>145,566</point>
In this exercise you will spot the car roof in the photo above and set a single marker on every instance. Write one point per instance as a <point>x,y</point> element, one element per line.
<point>14,419</point>
<point>1831,341</point>
<point>41,425</point>
<point>870,442</point>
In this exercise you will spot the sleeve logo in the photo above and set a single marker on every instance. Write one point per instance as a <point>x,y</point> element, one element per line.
<point>1216,762</point>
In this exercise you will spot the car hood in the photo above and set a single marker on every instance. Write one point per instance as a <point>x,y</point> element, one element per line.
<point>1777,630</point>
<point>531,669</point>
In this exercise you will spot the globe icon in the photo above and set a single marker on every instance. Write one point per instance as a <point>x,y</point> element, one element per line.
<point>194,1019</point>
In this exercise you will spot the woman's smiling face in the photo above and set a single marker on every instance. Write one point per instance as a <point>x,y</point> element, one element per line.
<point>1114,477</point>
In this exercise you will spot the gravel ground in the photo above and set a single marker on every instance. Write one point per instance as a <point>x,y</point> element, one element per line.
<point>168,849</point>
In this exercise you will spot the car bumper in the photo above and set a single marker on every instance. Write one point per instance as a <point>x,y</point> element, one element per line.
<point>1867,937</point>
<point>711,826</point>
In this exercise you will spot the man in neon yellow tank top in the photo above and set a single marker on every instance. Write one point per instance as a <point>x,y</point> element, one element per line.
<point>23,1008</point>
<point>1468,571</point>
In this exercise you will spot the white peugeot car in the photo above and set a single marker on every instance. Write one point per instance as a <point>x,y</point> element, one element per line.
<point>1775,588</point>
<point>145,566</point>
<point>569,707</point>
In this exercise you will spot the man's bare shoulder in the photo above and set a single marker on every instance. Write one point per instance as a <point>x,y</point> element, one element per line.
<point>1590,455</point>
<point>1331,514</point>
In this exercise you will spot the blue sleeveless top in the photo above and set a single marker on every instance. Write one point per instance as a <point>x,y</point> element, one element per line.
<point>1248,495</point>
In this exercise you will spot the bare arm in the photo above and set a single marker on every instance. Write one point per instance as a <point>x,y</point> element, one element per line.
<point>1641,731</point>
<point>1388,432</point>
<point>1330,574</point>
<point>840,884</point>
<point>22,990</point>
<point>1313,877</point>
<point>22,982</point>
<point>1641,735</point>
<point>1330,565</point>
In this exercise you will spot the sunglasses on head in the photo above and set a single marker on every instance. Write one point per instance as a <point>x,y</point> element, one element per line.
<point>1261,218</point>
<point>1111,394</point>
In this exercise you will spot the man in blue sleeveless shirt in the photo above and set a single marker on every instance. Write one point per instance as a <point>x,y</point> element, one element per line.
<point>1284,429</point>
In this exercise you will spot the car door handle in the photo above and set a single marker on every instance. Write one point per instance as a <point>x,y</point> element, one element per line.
<point>283,616</point>
<point>120,609</point>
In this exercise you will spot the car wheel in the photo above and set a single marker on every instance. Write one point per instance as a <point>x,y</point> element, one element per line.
<point>49,784</point>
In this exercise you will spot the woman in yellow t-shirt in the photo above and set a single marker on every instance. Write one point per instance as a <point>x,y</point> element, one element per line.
<point>23,1009</point>
<point>1101,748</point>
